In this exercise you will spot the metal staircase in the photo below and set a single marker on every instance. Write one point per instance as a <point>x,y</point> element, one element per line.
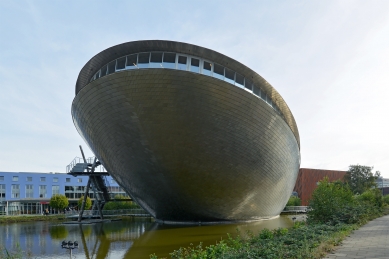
<point>83,166</point>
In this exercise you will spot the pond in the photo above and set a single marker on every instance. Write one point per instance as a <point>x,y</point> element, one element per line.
<point>129,238</point>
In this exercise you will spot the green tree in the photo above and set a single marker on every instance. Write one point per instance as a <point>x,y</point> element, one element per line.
<point>59,201</point>
<point>361,178</point>
<point>88,202</point>
<point>329,200</point>
<point>117,204</point>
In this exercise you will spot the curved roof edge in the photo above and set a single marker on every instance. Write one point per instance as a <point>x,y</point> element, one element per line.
<point>112,53</point>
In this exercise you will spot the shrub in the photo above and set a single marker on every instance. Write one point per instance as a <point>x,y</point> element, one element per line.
<point>372,197</point>
<point>59,201</point>
<point>329,200</point>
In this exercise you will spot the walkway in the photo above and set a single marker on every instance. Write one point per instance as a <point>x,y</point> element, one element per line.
<point>370,241</point>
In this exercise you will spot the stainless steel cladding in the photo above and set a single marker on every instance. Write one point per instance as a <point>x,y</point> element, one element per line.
<point>187,145</point>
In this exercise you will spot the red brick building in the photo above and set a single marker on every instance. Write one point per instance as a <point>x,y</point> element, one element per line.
<point>307,181</point>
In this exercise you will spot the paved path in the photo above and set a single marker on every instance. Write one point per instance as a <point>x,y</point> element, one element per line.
<point>370,241</point>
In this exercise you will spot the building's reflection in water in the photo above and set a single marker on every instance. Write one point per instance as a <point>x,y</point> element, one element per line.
<point>119,239</point>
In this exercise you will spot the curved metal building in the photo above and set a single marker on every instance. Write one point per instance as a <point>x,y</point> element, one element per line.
<point>191,134</point>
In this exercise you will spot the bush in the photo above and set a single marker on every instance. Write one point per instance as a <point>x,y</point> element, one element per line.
<point>59,201</point>
<point>329,200</point>
<point>294,201</point>
<point>371,197</point>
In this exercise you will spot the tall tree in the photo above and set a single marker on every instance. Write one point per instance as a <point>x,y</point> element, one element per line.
<point>361,178</point>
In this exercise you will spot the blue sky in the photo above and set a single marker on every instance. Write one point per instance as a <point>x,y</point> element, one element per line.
<point>328,59</point>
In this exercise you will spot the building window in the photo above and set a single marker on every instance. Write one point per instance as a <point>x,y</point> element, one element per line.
<point>42,191</point>
<point>15,178</point>
<point>29,179</point>
<point>55,180</point>
<point>43,179</point>
<point>15,191</point>
<point>79,180</point>
<point>1,178</point>
<point>55,189</point>
<point>2,191</point>
<point>113,181</point>
<point>29,191</point>
<point>68,180</point>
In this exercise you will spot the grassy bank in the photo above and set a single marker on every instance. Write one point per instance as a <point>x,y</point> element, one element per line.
<point>28,218</point>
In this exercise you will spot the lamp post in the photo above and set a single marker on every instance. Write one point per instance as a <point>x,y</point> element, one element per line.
<point>70,246</point>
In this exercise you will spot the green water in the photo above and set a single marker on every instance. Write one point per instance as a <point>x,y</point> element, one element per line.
<point>120,239</point>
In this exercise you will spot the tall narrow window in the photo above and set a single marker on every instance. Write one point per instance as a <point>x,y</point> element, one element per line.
<point>218,71</point>
<point>182,63</point>
<point>263,96</point>
<point>42,191</point>
<point>229,75</point>
<point>239,80</point>
<point>143,60</point>
<point>55,189</point>
<point>15,191</point>
<point>111,67</point>
<point>256,91</point>
<point>1,178</point>
<point>132,61</point>
<point>29,191</point>
<point>207,68</point>
<point>195,65</point>
<point>156,60</point>
<point>103,71</point>
<point>2,191</point>
<point>121,63</point>
<point>248,84</point>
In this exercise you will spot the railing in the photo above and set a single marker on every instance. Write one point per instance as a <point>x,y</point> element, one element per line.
<point>78,160</point>
<point>296,209</point>
<point>133,212</point>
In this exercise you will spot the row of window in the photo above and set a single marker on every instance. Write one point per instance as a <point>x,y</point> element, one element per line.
<point>42,179</point>
<point>15,191</point>
<point>186,63</point>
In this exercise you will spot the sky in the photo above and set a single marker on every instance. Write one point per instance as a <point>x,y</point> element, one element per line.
<point>329,60</point>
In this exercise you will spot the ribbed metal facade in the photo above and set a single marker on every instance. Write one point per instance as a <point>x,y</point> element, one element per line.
<point>188,147</point>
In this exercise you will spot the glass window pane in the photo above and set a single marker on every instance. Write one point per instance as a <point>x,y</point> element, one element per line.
<point>156,60</point>
<point>111,67</point>
<point>256,91</point>
<point>229,76</point>
<point>248,84</point>
<point>207,68</point>
<point>263,96</point>
<point>103,71</point>
<point>121,63</point>
<point>195,65</point>
<point>169,60</point>
<point>97,75</point>
<point>182,61</point>
<point>218,71</point>
<point>143,60</point>
<point>132,61</point>
<point>268,100</point>
<point>239,80</point>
